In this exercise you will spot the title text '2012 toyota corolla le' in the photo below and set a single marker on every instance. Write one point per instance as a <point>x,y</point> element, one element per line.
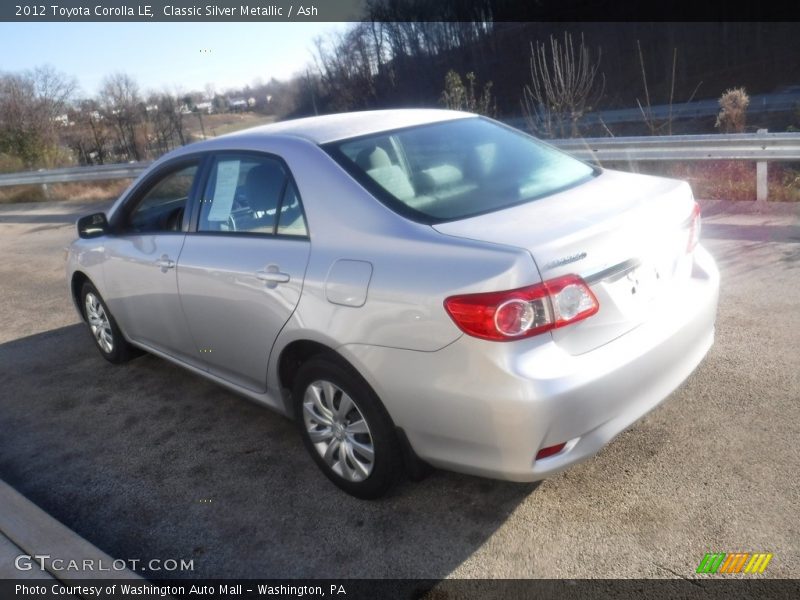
<point>412,286</point>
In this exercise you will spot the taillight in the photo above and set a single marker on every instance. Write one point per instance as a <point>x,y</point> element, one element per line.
<point>523,312</point>
<point>694,228</point>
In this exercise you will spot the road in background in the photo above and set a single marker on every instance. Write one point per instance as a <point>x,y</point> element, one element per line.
<point>148,461</point>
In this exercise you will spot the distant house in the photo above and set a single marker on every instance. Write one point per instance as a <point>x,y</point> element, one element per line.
<point>206,107</point>
<point>237,104</point>
<point>63,120</point>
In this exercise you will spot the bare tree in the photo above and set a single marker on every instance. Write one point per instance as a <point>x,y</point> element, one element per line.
<point>53,90</point>
<point>163,123</point>
<point>87,134</point>
<point>347,64</point>
<point>159,124</point>
<point>655,125</point>
<point>210,91</point>
<point>395,57</point>
<point>33,107</point>
<point>172,108</point>
<point>565,83</point>
<point>120,99</point>
<point>99,129</point>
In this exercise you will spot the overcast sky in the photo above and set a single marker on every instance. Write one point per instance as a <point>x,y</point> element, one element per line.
<point>162,56</point>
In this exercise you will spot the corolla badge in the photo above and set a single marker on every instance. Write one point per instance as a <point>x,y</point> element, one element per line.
<point>564,261</point>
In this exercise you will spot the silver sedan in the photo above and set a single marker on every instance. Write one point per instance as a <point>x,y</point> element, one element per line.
<point>413,287</point>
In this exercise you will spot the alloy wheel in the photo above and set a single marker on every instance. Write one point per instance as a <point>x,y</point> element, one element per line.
<point>338,430</point>
<point>99,323</point>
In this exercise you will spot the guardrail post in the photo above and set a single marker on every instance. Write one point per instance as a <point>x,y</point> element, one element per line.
<point>43,187</point>
<point>761,178</point>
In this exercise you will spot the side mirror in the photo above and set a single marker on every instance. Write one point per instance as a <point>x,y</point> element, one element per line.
<point>92,226</point>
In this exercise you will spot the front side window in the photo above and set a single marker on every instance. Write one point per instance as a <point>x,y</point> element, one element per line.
<point>457,169</point>
<point>162,207</point>
<point>250,195</point>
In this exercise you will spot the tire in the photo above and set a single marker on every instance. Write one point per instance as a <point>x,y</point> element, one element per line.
<point>321,386</point>
<point>104,329</point>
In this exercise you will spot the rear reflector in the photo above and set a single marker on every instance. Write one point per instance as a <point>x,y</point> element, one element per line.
<point>523,312</point>
<point>550,450</point>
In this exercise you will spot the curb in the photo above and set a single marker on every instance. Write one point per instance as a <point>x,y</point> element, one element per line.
<point>35,532</point>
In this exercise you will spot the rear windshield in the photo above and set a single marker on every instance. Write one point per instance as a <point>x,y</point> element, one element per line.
<point>456,169</point>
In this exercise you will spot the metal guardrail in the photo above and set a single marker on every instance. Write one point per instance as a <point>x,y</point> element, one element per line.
<point>75,174</point>
<point>741,146</point>
<point>761,147</point>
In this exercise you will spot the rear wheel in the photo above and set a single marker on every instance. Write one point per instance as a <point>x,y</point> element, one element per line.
<point>106,334</point>
<point>346,429</point>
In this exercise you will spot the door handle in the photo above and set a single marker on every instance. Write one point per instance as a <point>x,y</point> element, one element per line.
<point>271,275</point>
<point>165,263</point>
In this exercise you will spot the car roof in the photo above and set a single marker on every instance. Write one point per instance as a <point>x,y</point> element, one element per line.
<point>331,128</point>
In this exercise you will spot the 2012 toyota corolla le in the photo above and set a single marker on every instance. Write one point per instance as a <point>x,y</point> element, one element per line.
<point>413,287</point>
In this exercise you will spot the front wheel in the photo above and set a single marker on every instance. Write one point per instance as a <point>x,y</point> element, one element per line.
<point>346,429</point>
<point>106,334</point>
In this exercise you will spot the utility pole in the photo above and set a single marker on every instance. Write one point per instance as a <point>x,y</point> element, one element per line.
<point>202,129</point>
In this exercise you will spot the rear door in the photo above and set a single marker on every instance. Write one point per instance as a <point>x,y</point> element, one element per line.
<point>141,287</point>
<point>241,270</point>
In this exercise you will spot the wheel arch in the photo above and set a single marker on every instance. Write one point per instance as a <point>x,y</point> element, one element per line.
<point>79,278</point>
<point>299,351</point>
<point>291,358</point>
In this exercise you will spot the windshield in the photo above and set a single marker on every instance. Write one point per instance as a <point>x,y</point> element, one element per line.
<point>457,169</point>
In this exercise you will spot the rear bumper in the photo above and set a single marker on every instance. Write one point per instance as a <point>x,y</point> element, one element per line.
<point>486,408</point>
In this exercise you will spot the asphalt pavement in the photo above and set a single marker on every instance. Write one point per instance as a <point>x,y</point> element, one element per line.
<point>148,461</point>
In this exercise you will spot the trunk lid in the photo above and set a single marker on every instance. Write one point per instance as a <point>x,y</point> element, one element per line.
<point>625,234</point>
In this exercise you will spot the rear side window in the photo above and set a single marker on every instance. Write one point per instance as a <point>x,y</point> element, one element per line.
<point>250,195</point>
<point>291,220</point>
<point>457,169</point>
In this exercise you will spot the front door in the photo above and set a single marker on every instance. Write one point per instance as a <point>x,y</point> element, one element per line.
<point>141,286</point>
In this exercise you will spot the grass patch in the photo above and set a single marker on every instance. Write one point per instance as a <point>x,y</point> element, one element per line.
<point>84,191</point>
<point>726,179</point>
<point>219,124</point>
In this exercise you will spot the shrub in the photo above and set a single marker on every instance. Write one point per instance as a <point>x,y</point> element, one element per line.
<point>733,110</point>
<point>457,96</point>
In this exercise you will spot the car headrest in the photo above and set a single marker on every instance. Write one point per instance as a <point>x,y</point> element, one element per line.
<point>373,158</point>
<point>263,186</point>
